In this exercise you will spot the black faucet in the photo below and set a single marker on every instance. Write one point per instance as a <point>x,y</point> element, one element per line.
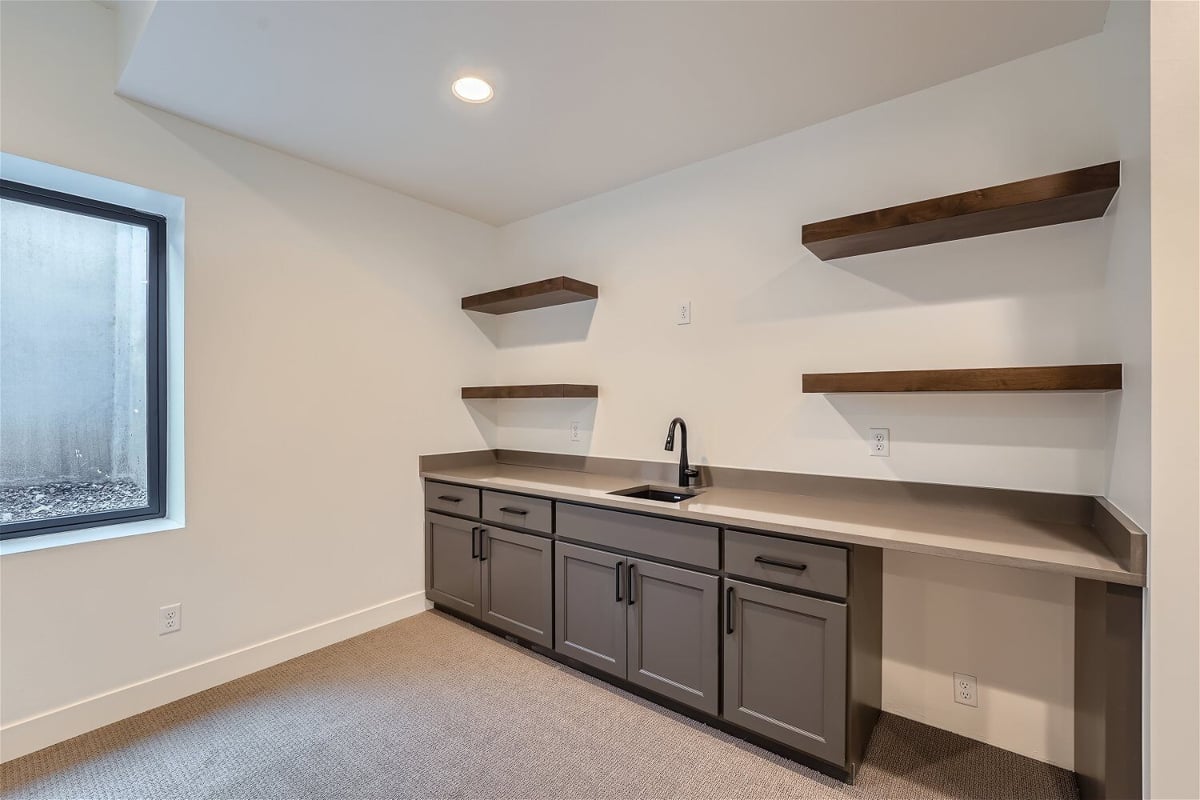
<point>686,473</point>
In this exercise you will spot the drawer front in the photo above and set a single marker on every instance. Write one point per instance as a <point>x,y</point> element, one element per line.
<point>668,539</point>
<point>801,565</point>
<point>461,500</point>
<point>518,511</point>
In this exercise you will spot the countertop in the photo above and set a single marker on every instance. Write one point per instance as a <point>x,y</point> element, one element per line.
<point>986,537</point>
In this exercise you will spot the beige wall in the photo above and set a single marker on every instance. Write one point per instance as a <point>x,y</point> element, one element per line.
<point>1173,649</point>
<point>323,354</point>
<point>725,234</point>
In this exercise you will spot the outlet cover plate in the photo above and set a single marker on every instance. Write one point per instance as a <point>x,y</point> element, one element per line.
<point>683,313</point>
<point>170,618</point>
<point>966,690</point>
<point>879,442</point>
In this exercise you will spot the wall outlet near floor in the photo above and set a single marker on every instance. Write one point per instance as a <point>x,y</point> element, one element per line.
<point>880,441</point>
<point>683,313</point>
<point>170,618</point>
<point>966,690</point>
<point>575,434</point>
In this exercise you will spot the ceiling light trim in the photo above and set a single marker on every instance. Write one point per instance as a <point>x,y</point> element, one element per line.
<point>472,89</point>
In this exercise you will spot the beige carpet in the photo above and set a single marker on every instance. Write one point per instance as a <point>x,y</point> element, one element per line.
<point>429,707</point>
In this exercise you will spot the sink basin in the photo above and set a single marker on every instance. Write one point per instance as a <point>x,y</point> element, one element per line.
<point>658,493</point>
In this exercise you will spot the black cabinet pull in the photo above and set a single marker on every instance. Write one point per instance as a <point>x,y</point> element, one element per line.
<point>617,572</point>
<point>507,510</point>
<point>483,538</point>
<point>449,499</point>
<point>632,579</point>
<point>774,562</point>
<point>729,609</point>
<point>474,543</point>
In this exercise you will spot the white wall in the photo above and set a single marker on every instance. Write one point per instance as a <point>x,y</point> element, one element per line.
<point>725,234</point>
<point>321,359</point>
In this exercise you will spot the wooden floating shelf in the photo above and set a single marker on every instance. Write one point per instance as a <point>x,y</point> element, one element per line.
<point>529,391</point>
<point>539,294</point>
<point>1074,378</point>
<point>1049,200</point>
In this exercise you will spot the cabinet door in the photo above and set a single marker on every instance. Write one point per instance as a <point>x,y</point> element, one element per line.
<point>785,668</point>
<point>673,625</point>
<point>589,606</point>
<point>452,563</point>
<point>516,583</point>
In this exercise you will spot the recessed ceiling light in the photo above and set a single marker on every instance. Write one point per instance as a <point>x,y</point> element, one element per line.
<point>472,90</point>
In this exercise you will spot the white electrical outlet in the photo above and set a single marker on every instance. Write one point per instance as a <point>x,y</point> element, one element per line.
<point>170,618</point>
<point>683,314</point>
<point>966,690</point>
<point>576,436</point>
<point>880,441</point>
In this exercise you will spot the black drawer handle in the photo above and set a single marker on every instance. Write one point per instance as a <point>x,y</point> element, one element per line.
<point>632,582</point>
<point>729,609</point>
<point>507,510</point>
<point>774,562</point>
<point>474,543</point>
<point>447,498</point>
<point>619,568</point>
<point>483,539</point>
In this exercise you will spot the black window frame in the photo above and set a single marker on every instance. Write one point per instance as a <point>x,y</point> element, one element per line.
<point>156,358</point>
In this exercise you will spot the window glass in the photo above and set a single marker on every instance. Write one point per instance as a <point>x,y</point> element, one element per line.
<point>76,409</point>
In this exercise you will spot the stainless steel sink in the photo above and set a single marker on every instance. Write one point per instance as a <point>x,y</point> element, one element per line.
<point>660,494</point>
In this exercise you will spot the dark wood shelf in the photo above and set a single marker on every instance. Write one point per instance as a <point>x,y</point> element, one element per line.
<point>1073,378</point>
<point>539,294</point>
<point>529,391</point>
<point>1049,200</point>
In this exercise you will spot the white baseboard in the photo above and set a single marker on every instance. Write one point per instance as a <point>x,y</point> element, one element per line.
<point>42,730</point>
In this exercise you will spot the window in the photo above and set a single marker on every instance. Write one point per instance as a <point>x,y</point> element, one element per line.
<point>82,362</point>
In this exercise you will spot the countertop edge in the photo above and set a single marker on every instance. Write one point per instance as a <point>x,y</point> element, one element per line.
<point>822,530</point>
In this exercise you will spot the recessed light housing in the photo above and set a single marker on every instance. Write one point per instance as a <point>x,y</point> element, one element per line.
<point>470,89</point>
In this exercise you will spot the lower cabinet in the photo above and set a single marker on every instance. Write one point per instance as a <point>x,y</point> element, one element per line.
<point>589,607</point>
<point>452,563</point>
<point>499,576</point>
<point>651,624</point>
<point>515,590</point>
<point>785,668</point>
<point>789,666</point>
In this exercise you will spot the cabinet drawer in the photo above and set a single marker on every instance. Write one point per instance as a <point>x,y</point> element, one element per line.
<point>461,500</point>
<point>518,511</point>
<point>801,565</point>
<point>668,539</point>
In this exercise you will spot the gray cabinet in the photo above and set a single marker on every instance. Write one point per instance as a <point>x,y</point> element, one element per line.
<point>492,574</point>
<point>452,575</point>
<point>792,652</point>
<point>589,607</point>
<point>668,539</point>
<point>800,565</point>
<point>672,633</point>
<point>654,625</point>
<point>518,511</point>
<point>516,580</point>
<point>785,668</point>
<point>461,500</point>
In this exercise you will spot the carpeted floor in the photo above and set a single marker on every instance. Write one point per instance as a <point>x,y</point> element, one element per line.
<point>429,707</point>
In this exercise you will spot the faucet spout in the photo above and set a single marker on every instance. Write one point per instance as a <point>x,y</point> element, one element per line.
<point>686,473</point>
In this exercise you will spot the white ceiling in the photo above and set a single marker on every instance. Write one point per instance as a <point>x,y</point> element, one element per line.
<point>589,95</point>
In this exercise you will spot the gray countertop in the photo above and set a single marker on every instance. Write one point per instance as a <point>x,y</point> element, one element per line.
<point>987,537</point>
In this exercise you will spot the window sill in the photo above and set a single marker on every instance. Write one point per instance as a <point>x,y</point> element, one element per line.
<point>99,533</point>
